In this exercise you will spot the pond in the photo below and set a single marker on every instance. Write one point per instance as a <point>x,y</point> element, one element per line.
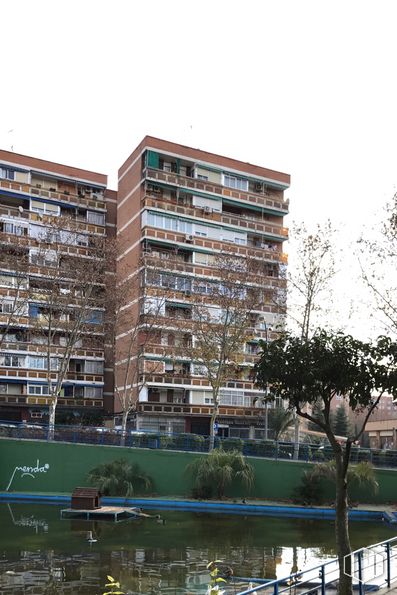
<point>42,554</point>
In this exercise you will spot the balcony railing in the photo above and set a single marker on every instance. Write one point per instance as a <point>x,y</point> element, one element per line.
<point>246,222</point>
<point>173,238</point>
<point>197,269</point>
<point>71,198</point>
<point>268,200</point>
<point>75,224</point>
<point>55,349</point>
<point>27,373</point>
<point>199,410</point>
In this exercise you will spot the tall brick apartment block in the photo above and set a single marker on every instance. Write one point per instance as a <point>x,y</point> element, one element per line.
<point>33,193</point>
<point>178,208</point>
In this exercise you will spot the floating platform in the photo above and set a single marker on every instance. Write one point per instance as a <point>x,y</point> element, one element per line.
<point>115,513</point>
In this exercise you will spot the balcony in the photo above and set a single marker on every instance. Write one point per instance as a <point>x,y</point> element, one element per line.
<point>199,410</point>
<point>269,200</point>
<point>68,197</point>
<point>247,222</point>
<point>34,400</point>
<point>55,349</point>
<point>254,251</point>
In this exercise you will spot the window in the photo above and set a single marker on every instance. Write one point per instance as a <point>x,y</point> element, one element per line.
<point>201,177</point>
<point>44,208</point>
<point>12,361</point>
<point>94,317</point>
<point>47,258</point>
<point>93,367</point>
<point>93,392</point>
<point>16,230</point>
<point>8,307</point>
<point>11,281</point>
<point>235,182</point>
<point>38,389</point>
<point>7,173</point>
<point>96,218</point>
<point>3,389</point>
<point>81,239</point>
<point>40,363</point>
<point>164,222</point>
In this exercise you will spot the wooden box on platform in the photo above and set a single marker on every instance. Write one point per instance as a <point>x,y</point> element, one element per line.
<point>86,499</point>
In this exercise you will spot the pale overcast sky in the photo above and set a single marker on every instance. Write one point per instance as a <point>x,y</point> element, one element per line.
<point>307,87</point>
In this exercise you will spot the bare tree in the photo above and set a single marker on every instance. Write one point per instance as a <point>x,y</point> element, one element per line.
<point>378,260</point>
<point>309,279</point>
<point>67,299</point>
<point>309,284</point>
<point>221,325</point>
<point>134,325</point>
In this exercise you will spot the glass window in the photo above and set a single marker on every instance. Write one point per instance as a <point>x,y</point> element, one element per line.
<point>11,360</point>
<point>93,392</point>
<point>235,182</point>
<point>94,317</point>
<point>7,173</point>
<point>93,367</point>
<point>96,218</point>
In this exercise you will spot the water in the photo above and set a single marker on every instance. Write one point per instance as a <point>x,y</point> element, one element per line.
<point>42,554</point>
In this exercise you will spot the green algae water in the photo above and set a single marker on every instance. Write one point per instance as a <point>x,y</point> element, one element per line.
<point>42,554</point>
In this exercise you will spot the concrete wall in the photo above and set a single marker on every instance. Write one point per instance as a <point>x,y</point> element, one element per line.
<point>33,466</point>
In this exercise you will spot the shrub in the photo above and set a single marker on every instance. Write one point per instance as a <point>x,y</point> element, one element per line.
<point>310,490</point>
<point>192,442</point>
<point>120,478</point>
<point>236,444</point>
<point>214,472</point>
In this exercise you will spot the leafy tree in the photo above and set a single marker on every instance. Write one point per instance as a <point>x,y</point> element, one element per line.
<point>120,478</point>
<point>317,413</point>
<point>280,420</point>
<point>304,371</point>
<point>214,472</point>
<point>341,423</point>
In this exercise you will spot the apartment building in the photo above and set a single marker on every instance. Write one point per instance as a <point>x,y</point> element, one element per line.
<point>37,198</point>
<point>179,210</point>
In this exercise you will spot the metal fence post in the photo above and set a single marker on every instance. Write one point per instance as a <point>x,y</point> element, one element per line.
<point>275,590</point>
<point>322,576</point>
<point>360,573</point>
<point>388,565</point>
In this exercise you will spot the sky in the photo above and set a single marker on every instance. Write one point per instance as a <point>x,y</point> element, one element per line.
<point>306,87</point>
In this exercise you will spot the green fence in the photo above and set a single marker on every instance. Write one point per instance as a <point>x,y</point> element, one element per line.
<point>34,466</point>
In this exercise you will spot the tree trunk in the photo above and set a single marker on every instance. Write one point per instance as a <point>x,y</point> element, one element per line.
<point>51,420</point>
<point>342,529</point>
<point>212,428</point>
<point>123,428</point>
<point>296,438</point>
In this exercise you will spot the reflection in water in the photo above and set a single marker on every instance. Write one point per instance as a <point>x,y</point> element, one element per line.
<point>42,554</point>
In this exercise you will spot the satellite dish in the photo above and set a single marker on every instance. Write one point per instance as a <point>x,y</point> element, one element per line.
<point>20,209</point>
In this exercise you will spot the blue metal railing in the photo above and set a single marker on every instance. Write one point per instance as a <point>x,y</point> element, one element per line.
<point>371,568</point>
<point>192,442</point>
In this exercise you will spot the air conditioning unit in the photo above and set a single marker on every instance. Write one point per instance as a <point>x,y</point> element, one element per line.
<point>258,187</point>
<point>189,238</point>
<point>207,209</point>
<point>188,293</point>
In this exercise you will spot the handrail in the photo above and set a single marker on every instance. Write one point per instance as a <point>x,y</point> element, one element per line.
<point>358,573</point>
